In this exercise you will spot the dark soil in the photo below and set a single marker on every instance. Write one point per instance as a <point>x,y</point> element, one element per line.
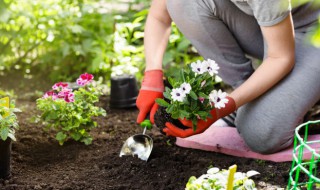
<point>161,117</point>
<point>39,162</point>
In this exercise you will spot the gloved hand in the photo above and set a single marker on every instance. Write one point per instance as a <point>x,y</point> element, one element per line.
<point>152,87</point>
<point>172,130</point>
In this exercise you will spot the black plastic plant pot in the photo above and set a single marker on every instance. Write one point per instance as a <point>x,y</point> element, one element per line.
<point>161,117</point>
<point>124,91</point>
<point>5,158</point>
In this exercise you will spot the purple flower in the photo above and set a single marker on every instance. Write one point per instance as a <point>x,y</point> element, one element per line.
<point>84,79</point>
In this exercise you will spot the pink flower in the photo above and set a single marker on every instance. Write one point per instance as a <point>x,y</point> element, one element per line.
<point>201,99</point>
<point>69,97</point>
<point>64,92</point>
<point>50,94</point>
<point>84,79</point>
<point>59,85</point>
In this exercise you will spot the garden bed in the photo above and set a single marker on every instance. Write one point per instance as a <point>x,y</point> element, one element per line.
<point>39,162</point>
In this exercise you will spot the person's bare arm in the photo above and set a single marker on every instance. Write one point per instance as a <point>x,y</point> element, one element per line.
<point>157,31</point>
<point>278,63</point>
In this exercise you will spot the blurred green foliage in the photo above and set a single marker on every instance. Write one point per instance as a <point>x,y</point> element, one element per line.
<point>61,39</point>
<point>64,38</point>
<point>314,37</point>
<point>7,93</point>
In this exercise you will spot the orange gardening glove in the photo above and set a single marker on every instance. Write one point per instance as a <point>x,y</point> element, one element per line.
<point>172,130</point>
<point>152,87</point>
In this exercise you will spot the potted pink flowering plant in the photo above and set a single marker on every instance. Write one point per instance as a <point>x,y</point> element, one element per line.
<point>70,112</point>
<point>192,95</point>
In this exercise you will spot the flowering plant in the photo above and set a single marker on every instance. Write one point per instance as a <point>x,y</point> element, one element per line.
<point>217,179</point>
<point>70,111</point>
<point>8,120</point>
<point>193,93</point>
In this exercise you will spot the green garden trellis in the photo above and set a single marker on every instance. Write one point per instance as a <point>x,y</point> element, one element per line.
<point>304,174</point>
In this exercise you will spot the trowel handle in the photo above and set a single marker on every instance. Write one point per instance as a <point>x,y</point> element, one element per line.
<point>146,124</point>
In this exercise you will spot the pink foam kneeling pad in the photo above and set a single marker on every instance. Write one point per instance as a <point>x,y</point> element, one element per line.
<point>227,140</point>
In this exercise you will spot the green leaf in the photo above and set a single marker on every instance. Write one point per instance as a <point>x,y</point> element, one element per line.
<point>193,106</point>
<point>169,108</point>
<point>175,115</point>
<point>4,133</point>
<point>167,95</point>
<point>168,58</point>
<point>193,95</point>
<point>183,45</point>
<point>87,141</point>
<point>162,102</point>
<point>54,107</point>
<point>194,124</point>
<point>171,81</point>
<point>183,114</point>
<point>76,136</point>
<point>61,137</point>
<point>51,116</point>
<point>201,94</point>
<point>203,114</point>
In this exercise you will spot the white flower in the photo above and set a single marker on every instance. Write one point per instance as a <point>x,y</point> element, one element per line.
<point>239,176</point>
<point>213,170</point>
<point>185,87</point>
<point>218,179</point>
<point>219,98</point>
<point>252,173</point>
<point>249,184</point>
<point>211,67</point>
<point>197,67</point>
<point>177,94</point>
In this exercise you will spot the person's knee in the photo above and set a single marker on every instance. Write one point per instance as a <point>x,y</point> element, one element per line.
<point>264,136</point>
<point>268,146</point>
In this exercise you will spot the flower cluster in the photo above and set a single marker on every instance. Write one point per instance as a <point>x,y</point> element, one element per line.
<point>179,94</point>
<point>217,98</point>
<point>209,66</point>
<point>218,179</point>
<point>70,112</point>
<point>61,90</point>
<point>192,94</point>
<point>84,79</point>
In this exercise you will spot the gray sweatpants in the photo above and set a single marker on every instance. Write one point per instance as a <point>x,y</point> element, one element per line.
<point>222,32</point>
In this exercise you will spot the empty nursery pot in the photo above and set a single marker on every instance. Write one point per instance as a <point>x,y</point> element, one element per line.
<point>5,157</point>
<point>124,91</point>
